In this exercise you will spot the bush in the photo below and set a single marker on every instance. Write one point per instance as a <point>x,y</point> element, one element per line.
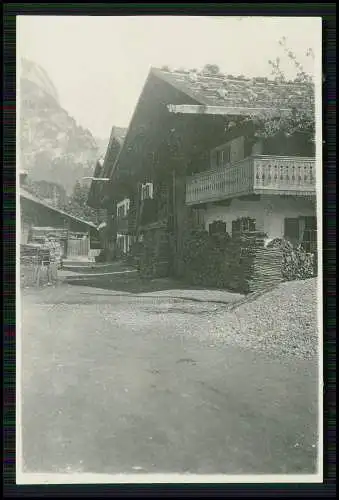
<point>297,264</point>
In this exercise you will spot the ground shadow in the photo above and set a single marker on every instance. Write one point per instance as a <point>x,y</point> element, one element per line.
<point>133,284</point>
<point>95,268</point>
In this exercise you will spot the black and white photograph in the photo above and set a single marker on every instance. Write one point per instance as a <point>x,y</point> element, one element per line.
<point>169,242</point>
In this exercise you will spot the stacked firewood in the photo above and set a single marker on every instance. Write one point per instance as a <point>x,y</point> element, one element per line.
<point>261,267</point>
<point>241,264</point>
<point>264,269</point>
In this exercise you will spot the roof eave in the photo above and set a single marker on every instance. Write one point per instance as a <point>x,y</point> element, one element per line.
<point>222,110</point>
<point>151,72</point>
<point>35,200</point>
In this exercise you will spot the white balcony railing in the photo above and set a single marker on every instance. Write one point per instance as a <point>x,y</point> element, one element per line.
<point>253,175</point>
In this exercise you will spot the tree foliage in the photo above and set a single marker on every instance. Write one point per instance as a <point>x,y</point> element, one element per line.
<point>80,194</point>
<point>47,190</point>
<point>77,204</point>
<point>299,120</point>
<point>211,69</point>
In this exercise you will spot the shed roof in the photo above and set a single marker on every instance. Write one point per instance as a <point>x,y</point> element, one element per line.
<point>28,196</point>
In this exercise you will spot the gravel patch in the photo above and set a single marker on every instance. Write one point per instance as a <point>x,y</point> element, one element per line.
<point>203,295</point>
<point>282,322</point>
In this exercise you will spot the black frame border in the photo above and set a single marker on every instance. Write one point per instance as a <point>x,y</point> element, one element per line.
<point>328,13</point>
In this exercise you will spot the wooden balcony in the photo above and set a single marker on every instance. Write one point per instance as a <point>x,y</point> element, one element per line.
<point>280,175</point>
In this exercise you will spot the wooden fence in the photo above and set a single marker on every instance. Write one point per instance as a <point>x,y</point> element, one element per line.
<point>78,248</point>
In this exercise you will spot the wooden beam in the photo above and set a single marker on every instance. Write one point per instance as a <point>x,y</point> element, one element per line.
<point>193,109</point>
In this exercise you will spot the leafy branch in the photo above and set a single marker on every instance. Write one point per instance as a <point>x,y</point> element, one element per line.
<point>300,119</point>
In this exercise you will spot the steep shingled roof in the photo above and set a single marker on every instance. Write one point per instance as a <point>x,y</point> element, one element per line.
<point>231,91</point>
<point>117,136</point>
<point>119,133</point>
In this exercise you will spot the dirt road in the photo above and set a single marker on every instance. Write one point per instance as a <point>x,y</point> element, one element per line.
<point>116,383</point>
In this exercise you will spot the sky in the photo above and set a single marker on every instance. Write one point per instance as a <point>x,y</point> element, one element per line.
<point>99,64</point>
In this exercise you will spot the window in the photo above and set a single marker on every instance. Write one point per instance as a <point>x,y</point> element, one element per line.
<point>147,191</point>
<point>309,239</point>
<point>217,227</point>
<point>302,230</point>
<point>197,218</point>
<point>123,207</point>
<point>120,243</point>
<point>223,156</point>
<point>292,229</point>
<point>121,211</point>
<point>257,148</point>
<point>243,225</point>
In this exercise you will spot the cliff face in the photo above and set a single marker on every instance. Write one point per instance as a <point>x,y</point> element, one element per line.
<point>53,147</point>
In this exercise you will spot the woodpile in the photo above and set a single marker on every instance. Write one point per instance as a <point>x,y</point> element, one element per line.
<point>241,264</point>
<point>28,252</point>
<point>38,264</point>
<point>262,266</point>
<point>265,269</point>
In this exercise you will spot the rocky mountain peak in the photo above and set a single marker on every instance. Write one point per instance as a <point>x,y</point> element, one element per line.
<point>34,73</point>
<point>53,146</point>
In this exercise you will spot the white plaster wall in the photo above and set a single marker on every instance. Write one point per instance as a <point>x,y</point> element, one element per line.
<point>269,212</point>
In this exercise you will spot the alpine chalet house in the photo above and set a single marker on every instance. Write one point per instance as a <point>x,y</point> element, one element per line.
<point>191,158</point>
<point>100,197</point>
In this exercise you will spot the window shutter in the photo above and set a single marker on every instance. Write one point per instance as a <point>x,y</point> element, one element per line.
<point>291,229</point>
<point>235,227</point>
